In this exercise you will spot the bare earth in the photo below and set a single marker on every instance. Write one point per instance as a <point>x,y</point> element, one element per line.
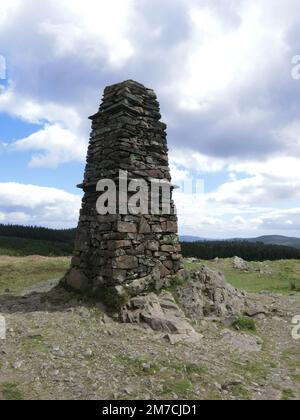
<point>60,347</point>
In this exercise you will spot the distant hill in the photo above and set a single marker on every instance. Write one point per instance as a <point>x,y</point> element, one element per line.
<point>267,240</point>
<point>277,240</point>
<point>187,238</point>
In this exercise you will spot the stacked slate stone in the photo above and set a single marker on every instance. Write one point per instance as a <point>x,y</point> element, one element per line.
<point>117,249</point>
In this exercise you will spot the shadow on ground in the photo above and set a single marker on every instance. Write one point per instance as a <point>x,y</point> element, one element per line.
<point>48,297</point>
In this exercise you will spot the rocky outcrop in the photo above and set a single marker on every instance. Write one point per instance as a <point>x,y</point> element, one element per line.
<point>207,293</point>
<point>240,264</point>
<point>160,313</point>
<point>199,294</point>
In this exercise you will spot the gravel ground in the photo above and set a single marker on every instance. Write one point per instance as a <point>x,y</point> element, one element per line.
<point>60,347</point>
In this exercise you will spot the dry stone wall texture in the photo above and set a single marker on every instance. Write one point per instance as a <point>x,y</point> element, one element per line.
<point>117,249</point>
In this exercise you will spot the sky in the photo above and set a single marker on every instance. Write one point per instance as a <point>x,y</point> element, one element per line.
<point>227,76</point>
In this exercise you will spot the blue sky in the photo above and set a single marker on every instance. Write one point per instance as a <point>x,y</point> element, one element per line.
<point>226,75</point>
<point>14,164</point>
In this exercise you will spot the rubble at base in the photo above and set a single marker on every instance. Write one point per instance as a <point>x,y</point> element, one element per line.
<point>160,313</point>
<point>199,294</point>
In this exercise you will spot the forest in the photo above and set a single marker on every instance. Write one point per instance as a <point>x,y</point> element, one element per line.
<point>249,251</point>
<point>31,240</point>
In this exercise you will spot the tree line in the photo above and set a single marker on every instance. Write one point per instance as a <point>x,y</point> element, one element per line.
<point>38,233</point>
<point>60,242</point>
<point>249,251</point>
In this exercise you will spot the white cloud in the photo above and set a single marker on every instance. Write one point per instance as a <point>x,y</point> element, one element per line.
<point>282,220</point>
<point>31,110</point>
<point>239,220</point>
<point>196,162</point>
<point>57,145</point>
<point>210,221</point>
<point>222,71</point>
<point>34,205</point>
<point>7,8</point>
<point>97,24</point>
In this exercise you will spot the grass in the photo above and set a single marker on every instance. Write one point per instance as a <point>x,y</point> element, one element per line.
<point>111,298</point>
<point>240,392</point>
<point>181,387</point>
<point>244,323</point>
<point>18,273</point>
<point>256,370</point>
<point>33,345</point>
<point>288,394</point>
<point>283,275</point>
<point>176,377</point>
<point>11,392</point>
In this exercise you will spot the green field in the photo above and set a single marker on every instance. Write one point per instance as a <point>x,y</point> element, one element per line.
<point>282,276</point>
<point>18,273</point>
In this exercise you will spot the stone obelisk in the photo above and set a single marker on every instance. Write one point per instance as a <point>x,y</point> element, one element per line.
<point>117,249</point>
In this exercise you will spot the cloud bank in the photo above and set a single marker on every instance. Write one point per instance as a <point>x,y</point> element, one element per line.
<point>223,74</point>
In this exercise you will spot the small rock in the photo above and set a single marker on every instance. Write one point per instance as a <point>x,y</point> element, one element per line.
<point>105,319</point>
<point>129,389</point>
<point>88,353</point>
<point>146,366</point>
<point>84,312</point>
<point>18,364</point>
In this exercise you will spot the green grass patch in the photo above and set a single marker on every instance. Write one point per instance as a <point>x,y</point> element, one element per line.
<point>33,344</point>
<point>255,370</point>
<point>181,387</point>
<point>288,394</point>
<point>282,276</point>
<point>110,297</point>
<point>176,377</point>
<point>245,323</point>
<point>17,273</point>
<point>11,392</point>
<point>240,392</point>
<point>296,378</point>
<point>139,366</point>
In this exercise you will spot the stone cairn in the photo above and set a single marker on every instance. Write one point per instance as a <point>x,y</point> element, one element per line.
<point>124,249</point>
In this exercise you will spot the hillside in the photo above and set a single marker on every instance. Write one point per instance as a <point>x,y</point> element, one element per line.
<point>266,239</point>
<point>278,240</point>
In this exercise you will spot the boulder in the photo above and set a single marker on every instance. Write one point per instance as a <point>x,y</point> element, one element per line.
<point>201,293</point>
<point>206,293</point>
<point>240,264</point>
<point>160,313</point>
